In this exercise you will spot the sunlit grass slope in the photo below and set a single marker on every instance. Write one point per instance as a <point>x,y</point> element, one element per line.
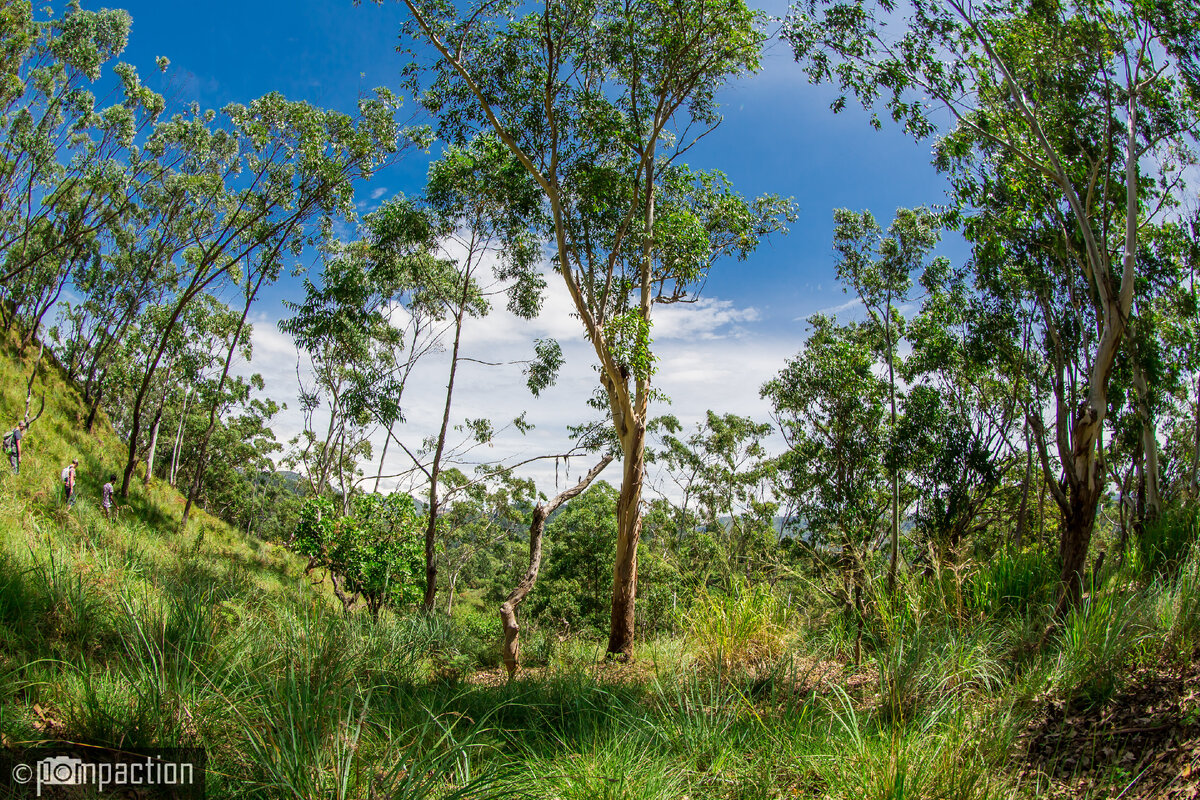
<point>130,633</point>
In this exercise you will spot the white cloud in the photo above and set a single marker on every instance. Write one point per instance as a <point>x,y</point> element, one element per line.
<point>711,355</point>
<point>708,318</point>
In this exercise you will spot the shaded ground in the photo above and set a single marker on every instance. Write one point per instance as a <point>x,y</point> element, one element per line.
<point>1143,744</point>
<point>801,678</point>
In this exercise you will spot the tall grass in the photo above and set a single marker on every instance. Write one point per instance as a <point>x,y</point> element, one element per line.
<point>1165,544</point>
<point>1101,641</point>
<point>129,633</point>
<point>746,629</point>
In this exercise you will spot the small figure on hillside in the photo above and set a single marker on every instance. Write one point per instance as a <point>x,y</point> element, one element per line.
<point>68,479</point>
<point>106,497</point>
<point>12,446</point>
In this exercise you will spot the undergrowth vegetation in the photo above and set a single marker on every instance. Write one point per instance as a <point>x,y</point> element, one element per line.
<point>129,633</point>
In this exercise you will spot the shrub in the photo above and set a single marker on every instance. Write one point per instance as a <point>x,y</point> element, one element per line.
<point>374,552</point>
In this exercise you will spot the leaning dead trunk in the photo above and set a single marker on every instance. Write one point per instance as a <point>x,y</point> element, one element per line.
<point>511,649</point>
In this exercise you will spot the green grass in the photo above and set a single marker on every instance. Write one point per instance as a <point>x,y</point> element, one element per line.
<point>130,633</point>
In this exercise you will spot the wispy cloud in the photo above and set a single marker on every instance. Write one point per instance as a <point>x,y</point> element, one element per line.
<point>831,310</point>
<point>710,355</point>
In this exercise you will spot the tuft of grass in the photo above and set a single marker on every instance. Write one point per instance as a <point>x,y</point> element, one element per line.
<point>1012,583</point>
<point>1166,542</point>
<point>1100,641</point>
<point>744,630</point>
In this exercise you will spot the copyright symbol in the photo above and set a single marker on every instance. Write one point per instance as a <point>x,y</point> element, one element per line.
<point>22,773</point>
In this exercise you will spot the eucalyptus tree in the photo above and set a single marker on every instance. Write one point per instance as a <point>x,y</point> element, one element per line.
<point>962,409</point>
<point>879,269</point>
<point>185,369</point>
<point>487,231</point>
<point>263,269</point>
<point>598,100</point>
<point>344,327</point>
<point>16,20</point>
<point>1187,342</point>
<point>68,167</point>
<point>1072,106</point>
<point>239,484</point>
<point>110,295</point>
<point>255,184</point>
<point>829,407</point>
<point>1164,345</point>
<point>724,471</point>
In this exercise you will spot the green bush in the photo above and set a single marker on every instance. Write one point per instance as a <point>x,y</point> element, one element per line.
<point>374,552</point>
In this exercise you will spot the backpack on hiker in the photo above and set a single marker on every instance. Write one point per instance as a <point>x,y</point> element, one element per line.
<point>10,443</point>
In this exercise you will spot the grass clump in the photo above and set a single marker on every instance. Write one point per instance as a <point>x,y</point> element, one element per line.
<point>744,630</point>
<point>1100,641</point>
<point>1165,543</point>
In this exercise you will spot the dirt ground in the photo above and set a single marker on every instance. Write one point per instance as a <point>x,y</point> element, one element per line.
<point>1143,744</point>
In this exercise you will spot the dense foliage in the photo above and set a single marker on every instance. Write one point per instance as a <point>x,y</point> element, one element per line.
<point>972,511</point>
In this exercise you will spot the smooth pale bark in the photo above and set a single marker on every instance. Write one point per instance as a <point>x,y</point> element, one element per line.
<point>155,426</point>
<point>1196,444</point>
<point>629,530</point>
<point>1023,509</point>
<point>382,457</point>
<point>631,430</point>
<point>435,469</point>
<point>28,420</point>
<point>1084,477</point>
<point>1150,467</point>
<point>178,447</point>
<point>895,554</point>
<point>511,648</point>
<point>153,446</point>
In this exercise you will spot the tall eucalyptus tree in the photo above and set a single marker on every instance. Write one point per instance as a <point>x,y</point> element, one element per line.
<point>1066,108</point>
<point>252,186</point>
<point>598,100</point>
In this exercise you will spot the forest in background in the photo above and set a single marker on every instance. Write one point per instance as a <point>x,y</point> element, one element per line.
<point>988,487</point>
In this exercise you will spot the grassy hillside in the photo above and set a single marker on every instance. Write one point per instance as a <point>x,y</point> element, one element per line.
<point>127,634</point>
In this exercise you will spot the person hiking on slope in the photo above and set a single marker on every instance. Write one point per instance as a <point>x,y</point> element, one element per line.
<point>106,497</point>
<point>68,479</point>
<point>12,446</point>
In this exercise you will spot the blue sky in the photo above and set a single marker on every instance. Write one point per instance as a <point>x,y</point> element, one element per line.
<point>778,136</point>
